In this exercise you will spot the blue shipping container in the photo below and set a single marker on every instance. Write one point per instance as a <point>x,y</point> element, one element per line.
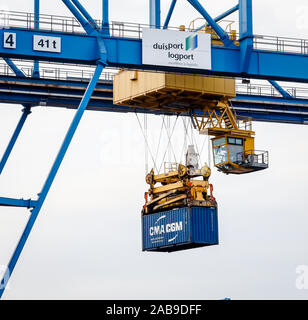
<point>180,229</point>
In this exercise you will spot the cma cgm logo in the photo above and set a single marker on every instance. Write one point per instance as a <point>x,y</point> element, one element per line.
<point>165,228</point>
<point>192,42</point>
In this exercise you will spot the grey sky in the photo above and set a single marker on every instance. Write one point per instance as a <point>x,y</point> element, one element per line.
<point>86,243</point>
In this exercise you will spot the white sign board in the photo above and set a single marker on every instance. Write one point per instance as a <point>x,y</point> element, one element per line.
<point>47,44</point>
<point>176,49</point>
<point>9,40</point>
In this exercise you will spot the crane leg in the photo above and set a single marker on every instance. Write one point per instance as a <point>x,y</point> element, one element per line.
<point>26,111</point>
<point>42,196</point>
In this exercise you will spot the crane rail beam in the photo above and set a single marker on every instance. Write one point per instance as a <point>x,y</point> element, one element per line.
<point>67,94</point>
<point>127,53</point>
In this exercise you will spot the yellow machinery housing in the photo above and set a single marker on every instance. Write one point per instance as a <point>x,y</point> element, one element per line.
<point>171,92</point>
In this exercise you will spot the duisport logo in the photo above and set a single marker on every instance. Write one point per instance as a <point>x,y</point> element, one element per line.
<point>192,42</point>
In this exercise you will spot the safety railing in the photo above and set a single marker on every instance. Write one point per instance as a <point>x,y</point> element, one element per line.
<point>268,90</point>
<point>245,124</point>
<point>46,22</point>
<point>253,157</point>
<point>134,30</point>
<point>281,44</point>
<point>57,73</point>
<point>68,24</point>
<point>84,74</point>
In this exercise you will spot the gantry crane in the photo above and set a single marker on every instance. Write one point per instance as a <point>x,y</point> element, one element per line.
<point>85,41</point>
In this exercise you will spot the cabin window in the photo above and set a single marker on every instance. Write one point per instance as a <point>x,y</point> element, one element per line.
<point>220,155</point>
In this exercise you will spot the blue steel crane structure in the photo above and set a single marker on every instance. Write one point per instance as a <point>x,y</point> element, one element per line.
<point>107,44</point>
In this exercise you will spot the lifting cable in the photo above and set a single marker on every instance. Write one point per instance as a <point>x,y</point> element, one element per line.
<point>159,140</point>
<point>185,137</point>
<point>192,139</point>
<point>146,151</point>
<point>146,142</point>
<point>169,135</point>
<point>169,142</point>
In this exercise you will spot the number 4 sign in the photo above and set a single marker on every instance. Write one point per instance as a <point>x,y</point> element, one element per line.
<point>9,40</point>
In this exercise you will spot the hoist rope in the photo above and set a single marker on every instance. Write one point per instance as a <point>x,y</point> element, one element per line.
<point>186,135</point>
<point>146,151</point>
<point>146,142</point>
<point>195,143</point>
<point>169,142</point>
<point>169,146</point>
<point>159,140</point>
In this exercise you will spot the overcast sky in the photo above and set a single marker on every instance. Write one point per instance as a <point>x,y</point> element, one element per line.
<point>86,243</point>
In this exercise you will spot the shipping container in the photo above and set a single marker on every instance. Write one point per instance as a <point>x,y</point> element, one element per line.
<point>180,229</point>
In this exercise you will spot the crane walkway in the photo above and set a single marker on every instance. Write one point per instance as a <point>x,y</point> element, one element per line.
<point>65,24</point>
<point>64,85</point>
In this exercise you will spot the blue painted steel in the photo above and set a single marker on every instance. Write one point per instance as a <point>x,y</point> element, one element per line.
<point>25,113</point>
<point>155,17</point>
<point>74,48</point>
<point>220,32</point>
<point>283,92</point>
<point>259,108</point>
<point>178,229</point>
<point>171,9</point>
<point>123,52</point>
<point>85,14</point>
<point>245,19</point>
<point>14,68</point>
<point>36,71</point>
<point>252,107</point>
<point>105,20</point>
<point>85,23</point>
<point>246,33</point>
<point>51,177</point>
<point>72,82</point>
<point>9,202</point>
<point>222,16</point>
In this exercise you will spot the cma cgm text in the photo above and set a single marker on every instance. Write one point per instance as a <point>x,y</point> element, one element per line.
<point>171,227</point>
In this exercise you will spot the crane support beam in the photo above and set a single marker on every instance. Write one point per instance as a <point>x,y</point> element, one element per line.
<point>127,53</point>
<point>283,92</point>
<point>85,13</point>
<point>81,15</point>
<point>36,72</point>
<point>105,20</point>
<point>9,202</point>
<point>259,106</point>
<point>25,112</point>
<point>246,33</point>
<point>14,68</point>
<point>155,15</point>
<point>170,12</point>
<point>216,27</point>
<point>42,196</point>
<point>221,16</point>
